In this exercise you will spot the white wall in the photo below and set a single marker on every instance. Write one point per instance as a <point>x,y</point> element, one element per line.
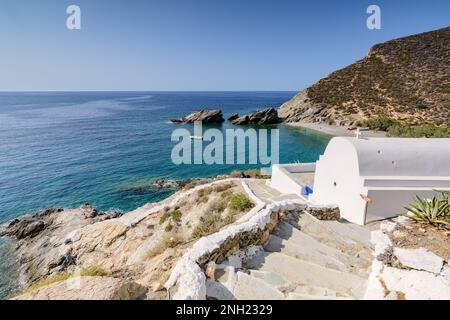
<point>283,182</point>
<point>338,182</point>
<point>390,203</point>
<point>390,171</point>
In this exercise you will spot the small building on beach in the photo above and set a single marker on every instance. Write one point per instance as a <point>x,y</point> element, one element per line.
<point>369,178</point>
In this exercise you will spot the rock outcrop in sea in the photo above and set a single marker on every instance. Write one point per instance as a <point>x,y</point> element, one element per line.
<point>203,116</point>
<point>265,116</point>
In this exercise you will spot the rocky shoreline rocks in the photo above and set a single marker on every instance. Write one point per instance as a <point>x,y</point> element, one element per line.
<point>182,184</point>
<point>204,116</point>
<point>265,116</point>
<point>37,252</point>
<point>260,117</point>
<point>82,253</point>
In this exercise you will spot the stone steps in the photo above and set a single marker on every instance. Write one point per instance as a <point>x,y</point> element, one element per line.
<point>303,252</point>
<point>300,272</point>
<point>267,193</point>
<point>248,287</point>
<point>315,291</point>
<point>304,259</point>
<point>298,296</point>
<point>356,233</point>
<point>273,279</point>
<point>314,247</point>
<point>327,233</point>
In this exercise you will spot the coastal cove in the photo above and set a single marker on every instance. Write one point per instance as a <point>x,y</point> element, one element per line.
<point>106,149</point>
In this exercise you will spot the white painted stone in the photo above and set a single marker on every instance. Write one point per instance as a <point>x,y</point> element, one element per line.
<point>445,274</point>
<point>416,285</point>
<point>419,259</point>
<point>190,279</point>
<point>188,276</point>
<point>380,241</point>
<point>242,256</point>
<point>374,289</point>
<point>388,226</point>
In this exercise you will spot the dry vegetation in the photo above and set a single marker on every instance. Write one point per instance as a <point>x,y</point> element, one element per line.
<point>430,226</point>
<point>144,254</point>
<point>202,213</point>
<point>406,79</point>
<point>93,271</point>
<point>414,236</point>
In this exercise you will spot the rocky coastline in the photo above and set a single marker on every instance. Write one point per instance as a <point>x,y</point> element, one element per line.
<point>111,255</point>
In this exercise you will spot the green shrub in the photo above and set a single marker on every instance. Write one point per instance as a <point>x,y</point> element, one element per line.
<point>380,123</point>
<point>240,202</point>
<point>168,228</point>
<point>226,194</point>
<point>175,215</point>
<point>218,205</point>
<point>211,223</point>
<point>214,218</point>
<point>434,212</point>
<point>93,271</point>
<point>426,130</point>
<point>204,192</point>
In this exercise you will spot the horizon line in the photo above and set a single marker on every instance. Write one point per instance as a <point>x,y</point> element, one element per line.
<point>138,91</point>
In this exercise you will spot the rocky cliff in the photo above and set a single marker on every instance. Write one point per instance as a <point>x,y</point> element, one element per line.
<point>407,79</point>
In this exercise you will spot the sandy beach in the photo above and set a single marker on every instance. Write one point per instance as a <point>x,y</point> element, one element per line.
<point>334,130</point>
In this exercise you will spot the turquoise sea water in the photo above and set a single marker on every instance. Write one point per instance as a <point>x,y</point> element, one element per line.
<point>65,149</point>
<point>104,148</point>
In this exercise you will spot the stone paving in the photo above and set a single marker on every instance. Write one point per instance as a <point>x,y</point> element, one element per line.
<point>268,194</point>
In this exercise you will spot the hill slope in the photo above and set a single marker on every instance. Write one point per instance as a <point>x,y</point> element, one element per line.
<point>407,79</point>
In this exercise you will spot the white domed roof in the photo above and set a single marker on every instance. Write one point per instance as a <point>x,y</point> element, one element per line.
<point>396,156</point>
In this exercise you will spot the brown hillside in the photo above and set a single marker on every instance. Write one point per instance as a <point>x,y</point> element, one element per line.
<point>407,79</point>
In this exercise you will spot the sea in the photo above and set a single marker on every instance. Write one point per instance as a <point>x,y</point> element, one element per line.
<point>64,149</point>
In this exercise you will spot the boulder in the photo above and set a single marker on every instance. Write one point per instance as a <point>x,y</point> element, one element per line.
<point>166,184</point>
<point>88,288</point>
<point>234,116</point>
<point>203,116</point>
<point>266,116</point>
<point>131,291</point>
<point>26,228</point>
<point>419,259</point>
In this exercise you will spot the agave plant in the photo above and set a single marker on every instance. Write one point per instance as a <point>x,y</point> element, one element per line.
<point>434,211</point>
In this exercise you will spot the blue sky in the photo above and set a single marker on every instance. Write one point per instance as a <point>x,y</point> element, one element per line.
<point>195,44</point>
